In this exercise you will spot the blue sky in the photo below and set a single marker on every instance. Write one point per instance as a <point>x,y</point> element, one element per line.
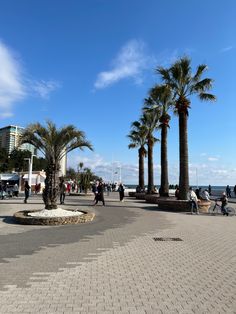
<point>91,63</point>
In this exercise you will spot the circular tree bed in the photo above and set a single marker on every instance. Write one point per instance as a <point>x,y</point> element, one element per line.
<point>24,217</point>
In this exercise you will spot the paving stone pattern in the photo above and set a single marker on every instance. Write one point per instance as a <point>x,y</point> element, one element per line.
<point>113,265</point>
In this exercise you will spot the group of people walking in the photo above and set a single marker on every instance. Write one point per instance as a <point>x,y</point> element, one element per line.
<point>98,191</point>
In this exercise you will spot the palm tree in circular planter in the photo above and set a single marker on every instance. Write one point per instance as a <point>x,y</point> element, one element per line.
<point>138,138</point>
<point>162,99</point>
<point>54,144</point>
<point>184,84</point>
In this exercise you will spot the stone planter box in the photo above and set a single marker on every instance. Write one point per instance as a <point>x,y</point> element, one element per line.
<point>174,205</point>
<point>152,198</point>
<point>132,194</point>
<point>181,205</point>
<point>140,196</point>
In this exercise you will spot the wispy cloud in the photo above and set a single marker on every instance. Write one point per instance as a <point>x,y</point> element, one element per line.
<point>11,87</point>
<point>212,158</point>
<point>225,49</point>
<point>15,84</point>
<point>44,88</point>
<point>130,62</point>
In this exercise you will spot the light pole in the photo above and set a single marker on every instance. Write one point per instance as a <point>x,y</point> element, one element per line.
<point>120,173</point>
<point>30,161</point>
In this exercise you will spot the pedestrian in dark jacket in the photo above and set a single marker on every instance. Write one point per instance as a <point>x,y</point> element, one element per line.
<point>27,191</point>
<point>121,190</point>
<point>100,194</point>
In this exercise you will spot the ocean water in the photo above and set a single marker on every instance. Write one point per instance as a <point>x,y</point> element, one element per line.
<point>216,189</point>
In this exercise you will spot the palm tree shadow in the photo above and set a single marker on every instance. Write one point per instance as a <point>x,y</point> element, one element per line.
<point>9,220</point>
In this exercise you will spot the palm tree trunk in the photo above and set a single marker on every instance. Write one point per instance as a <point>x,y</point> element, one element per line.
<point>141,167</point>
<point>164,188</point>
<point>150,167</point>
<point>50,193</point>
<point>183,156</point>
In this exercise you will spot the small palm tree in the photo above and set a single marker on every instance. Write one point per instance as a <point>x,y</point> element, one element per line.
<point>150,121</point>
<point>138,137</point>
<point>80,166</point>
<point>162,98</point>
<point>54,144</point>
<point>184,84</point>
<point>85,179</point>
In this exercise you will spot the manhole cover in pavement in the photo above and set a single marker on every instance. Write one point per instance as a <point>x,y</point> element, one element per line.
<point>167,239</point>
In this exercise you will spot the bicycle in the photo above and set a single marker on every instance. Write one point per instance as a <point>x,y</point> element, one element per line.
<point>217,209</point>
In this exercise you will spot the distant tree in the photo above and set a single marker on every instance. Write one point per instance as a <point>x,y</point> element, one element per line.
<point>54,144</point>
<point>138,139</point>
<point>86,177</point>
<point>71,173</point>
<point>162,99</point>
<point>4,162</point>
<point>17,160</point>
<point>80,166</point>
<point>150,121</point>
<point>39,164</point>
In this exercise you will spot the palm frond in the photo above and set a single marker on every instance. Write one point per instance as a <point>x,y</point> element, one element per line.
<point>200,70</point>
<point>203,85</point>
<point>206,97</point>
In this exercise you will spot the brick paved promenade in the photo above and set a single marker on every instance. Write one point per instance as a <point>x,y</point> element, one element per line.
<point>113,265</point>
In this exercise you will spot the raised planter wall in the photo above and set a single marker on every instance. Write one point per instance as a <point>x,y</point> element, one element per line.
<point>23,218</point>
<point>172,204</point>
<point>132,194</point>
<point>140,196</point>
<point>152,198</point>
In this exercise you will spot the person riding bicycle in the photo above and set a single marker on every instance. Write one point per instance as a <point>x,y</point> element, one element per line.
<point>224,202</point>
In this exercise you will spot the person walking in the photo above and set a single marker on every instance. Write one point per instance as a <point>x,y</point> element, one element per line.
<point>95,191</point>
<point>27,191</point>
<point>228,191</point>
<point>192,197</point>
<point>205,195</point>
<point>121,190</point>
<point>224,202</point>
<point>15,190</point>
<point>62,187</point>
<point>100,194</point>
<point>209,189</point>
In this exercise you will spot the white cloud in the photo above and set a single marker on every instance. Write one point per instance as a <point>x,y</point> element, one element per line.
<point>11,87</point>
<point>226,49</point>
<point>15,86</point>
<point>212,158</point>
<point>199,173</point>
<point>129,63</point>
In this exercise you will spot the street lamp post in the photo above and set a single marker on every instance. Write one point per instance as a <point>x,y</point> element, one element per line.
<point>30,161</point>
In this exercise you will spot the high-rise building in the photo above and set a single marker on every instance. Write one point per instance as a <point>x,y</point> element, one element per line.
<point>9,139</point>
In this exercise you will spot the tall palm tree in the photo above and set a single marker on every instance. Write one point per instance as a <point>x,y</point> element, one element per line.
<point>150,121</point>
<point>161,97</point>
<point>54,144</point>
<point>138,137</point>
<point>184,84</point>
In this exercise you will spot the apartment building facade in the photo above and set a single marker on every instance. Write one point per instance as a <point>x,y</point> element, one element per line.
<point>9,139</point>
